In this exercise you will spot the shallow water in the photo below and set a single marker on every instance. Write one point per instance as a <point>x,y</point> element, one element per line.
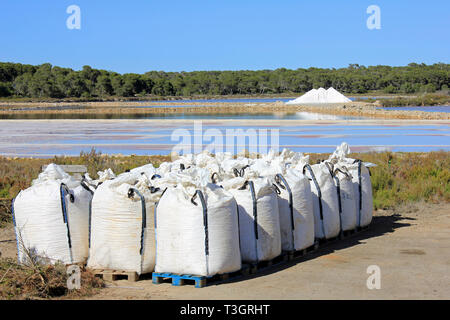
<point>248,100</point>
<point>235,100</point>
<point>46,138</point>
<point>192,116</point>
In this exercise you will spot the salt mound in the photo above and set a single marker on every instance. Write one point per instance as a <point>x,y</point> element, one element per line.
<point>320,96</point>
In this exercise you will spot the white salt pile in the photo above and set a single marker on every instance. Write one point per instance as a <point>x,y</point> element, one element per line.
<point>320,96</point>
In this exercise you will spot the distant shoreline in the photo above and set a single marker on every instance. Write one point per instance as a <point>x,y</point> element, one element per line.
<point>289,95</point>
<point>357,108</point>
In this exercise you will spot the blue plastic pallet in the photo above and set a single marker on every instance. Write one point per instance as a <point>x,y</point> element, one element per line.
<point>200,281</point>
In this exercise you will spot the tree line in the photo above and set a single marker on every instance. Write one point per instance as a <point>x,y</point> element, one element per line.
<point>47,81</point>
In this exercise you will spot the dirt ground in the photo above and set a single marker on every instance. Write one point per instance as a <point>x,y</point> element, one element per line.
<point>411,246</point>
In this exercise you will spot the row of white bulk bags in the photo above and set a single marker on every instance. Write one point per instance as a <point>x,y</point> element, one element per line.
<point>196,227</point>
<point>259,222</point>
<point>361,181</point>
<point>122,222</point>
<point>51,219</point>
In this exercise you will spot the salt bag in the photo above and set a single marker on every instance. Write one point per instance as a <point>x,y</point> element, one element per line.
<point>361,180</point>
<point>197,232</point>
<point>346,196</point>
<point>294,196</point>
<point>325,201</point>
<point>51,219</point>
<point>295,203</point>
<point>363,191</point>
<point>259,222</point>
<point>122,224</point>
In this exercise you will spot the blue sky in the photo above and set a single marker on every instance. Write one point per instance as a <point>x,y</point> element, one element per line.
<point>142,35</point>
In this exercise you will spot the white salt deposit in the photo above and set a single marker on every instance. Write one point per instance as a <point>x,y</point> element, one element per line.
<point>320,96</point>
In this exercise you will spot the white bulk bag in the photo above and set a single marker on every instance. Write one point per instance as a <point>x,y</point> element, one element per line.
<point>325,201</point>
<point>363,192</point>
<point>51,219</point>
<point>346,193</point>
<point>295,205</point>
<point>259,222</point>
<point>122,224</point>
<point>294,198</point>
<point>362,183</point>
<point>197,230</point>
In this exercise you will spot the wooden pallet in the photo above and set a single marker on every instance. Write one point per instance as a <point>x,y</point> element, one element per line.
<point>349,233</point>
<point>342,235</point>
<point>360,229</point>
<point>325,241</point>
<point>261,265</point>
<point>114,275</point>
<point>198,281</point>
<point>294,254</point>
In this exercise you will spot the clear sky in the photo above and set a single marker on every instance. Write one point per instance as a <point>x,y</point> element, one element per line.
<point>186,35</point>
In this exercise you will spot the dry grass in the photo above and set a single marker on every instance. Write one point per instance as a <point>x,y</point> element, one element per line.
<point>35,278</point>
<point>5,212</point>
<point>43,282</point>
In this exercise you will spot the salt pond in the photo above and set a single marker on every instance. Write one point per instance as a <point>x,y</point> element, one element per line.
<point>193,116</point>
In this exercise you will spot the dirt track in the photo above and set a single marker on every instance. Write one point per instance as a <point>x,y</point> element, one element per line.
<point>412,250</point>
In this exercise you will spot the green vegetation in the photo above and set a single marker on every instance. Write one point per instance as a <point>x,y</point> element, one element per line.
<point>424,100</point>
<point>45,81</point>
<point>409,177</point>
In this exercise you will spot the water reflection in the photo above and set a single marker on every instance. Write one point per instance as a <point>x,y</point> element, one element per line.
<point>189,116</point>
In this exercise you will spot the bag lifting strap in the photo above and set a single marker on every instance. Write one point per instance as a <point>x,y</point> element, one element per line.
<point>359,189</point>
<point>239,225</point>
<point>205,224</point>
<point>255,212</point>
<point>338,188</point>
<point>131,193</point>
<point>255,216</point>
<point>279,178</point>
<point>155,223</point>
<point>319,193</point>
<point>86,187</point>
<point>213,177</point>
<point>63,189</point>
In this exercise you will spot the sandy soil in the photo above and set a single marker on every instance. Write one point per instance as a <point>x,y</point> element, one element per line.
<point>410,245</point>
